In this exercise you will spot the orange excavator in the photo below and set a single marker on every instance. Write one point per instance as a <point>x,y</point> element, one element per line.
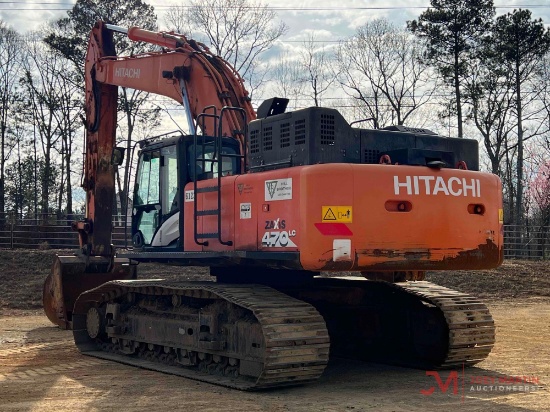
<point>270,202</point>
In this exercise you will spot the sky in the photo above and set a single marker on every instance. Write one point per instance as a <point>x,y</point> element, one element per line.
<point>326,19</point>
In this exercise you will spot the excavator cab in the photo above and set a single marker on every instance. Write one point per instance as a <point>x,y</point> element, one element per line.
<point>164,168</point>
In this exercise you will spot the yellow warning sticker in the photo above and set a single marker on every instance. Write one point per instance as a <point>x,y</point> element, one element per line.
<point>337,214</point>
<point>500,216</point>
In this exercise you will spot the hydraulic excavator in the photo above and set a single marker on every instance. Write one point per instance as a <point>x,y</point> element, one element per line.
<point>270,202</point>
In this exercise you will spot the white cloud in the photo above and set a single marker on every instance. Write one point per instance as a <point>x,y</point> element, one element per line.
<point>27,15</point>
<point>317,34</point>
<point>339,19</point>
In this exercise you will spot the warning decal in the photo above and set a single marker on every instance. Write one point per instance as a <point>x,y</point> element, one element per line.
<point>329,215</point>
<point>337,214</point>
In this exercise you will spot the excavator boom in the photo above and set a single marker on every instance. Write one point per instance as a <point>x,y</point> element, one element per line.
<point>187,72</point>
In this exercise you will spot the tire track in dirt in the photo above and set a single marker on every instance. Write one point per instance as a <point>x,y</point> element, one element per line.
<point>49,370</point>
<point>8,353</point>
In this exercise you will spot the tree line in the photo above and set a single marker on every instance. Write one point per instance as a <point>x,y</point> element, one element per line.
<point>457,68</point>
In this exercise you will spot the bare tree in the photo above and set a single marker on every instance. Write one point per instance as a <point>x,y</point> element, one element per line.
<point>176,19</point>
<point>287,78</point>
<point>51,97</point>
<point>544,83</point>
<point>490,94</point>
<point>68,115</point>
<point>380,66</point>
<point>317,69</point>
<point>10,70</point>
<point>519,43</point>
<point>69,36</point>
<point>237,30</point>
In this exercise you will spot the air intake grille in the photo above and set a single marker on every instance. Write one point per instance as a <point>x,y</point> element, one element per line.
<point>254,141</point>
<point>268,138</point>
<point>299,132</point>
<point>371,156</point>
<point>285,135</point>
<point>327,130</point>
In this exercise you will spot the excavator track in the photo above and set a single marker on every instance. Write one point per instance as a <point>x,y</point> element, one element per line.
<point>413,324</point>
<point>285,332</point>
<point>470,324</point>
<point>240,336</point>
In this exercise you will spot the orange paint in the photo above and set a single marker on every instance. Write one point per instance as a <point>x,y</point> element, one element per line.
<point>430,226</point>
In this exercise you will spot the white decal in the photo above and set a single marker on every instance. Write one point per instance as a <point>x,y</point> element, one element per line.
<point>189,195</point>
<point>431,185</point>
<point>130,73</point>
<point>246,210</point>
<point>275,224</point>
<point>278,239</point>
<point>341,249</point>
<point>279,189</point>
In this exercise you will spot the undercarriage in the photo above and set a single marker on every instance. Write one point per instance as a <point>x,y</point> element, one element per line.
<point>255,336</point>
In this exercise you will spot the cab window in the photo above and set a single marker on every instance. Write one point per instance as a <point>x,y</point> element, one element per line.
<point>207,167</point>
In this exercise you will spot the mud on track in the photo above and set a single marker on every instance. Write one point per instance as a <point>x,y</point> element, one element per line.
<point>40,369</point>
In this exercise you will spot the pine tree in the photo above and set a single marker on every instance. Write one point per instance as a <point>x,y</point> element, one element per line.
<point>452,29</point>
<point>519,43</point>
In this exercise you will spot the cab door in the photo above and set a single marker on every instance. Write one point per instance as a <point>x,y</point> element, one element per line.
<point>155,214</point>
<point>146,204</point>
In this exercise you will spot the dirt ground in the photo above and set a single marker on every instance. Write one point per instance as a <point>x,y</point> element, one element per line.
<point>40,369</point>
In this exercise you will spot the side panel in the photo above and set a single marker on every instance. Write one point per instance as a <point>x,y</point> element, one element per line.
<point>400,218</point>
<point>279,200</point>
<point>359,217</point>
<point>329,189</point>
<point>260,212</point>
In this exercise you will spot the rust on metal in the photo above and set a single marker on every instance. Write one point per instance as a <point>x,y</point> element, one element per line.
<point>396,276</point>
<point>433,259</point>
<point>99,182</point>
<point>72,275</point>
